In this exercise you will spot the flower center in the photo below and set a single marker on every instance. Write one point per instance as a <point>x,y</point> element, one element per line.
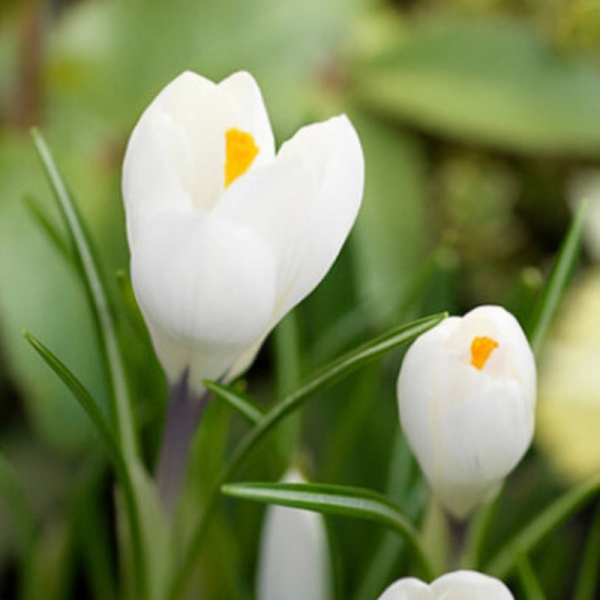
<point>240,152</point>
<point>481,349</point>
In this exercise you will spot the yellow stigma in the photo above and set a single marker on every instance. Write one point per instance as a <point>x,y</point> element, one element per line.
<point>481,349</point>
<point>240,152</point>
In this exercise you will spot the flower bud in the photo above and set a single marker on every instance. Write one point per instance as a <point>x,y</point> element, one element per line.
<point>226,236</point>
<point>294,563</point>
<point>467,394</point>
<point>466,585</point>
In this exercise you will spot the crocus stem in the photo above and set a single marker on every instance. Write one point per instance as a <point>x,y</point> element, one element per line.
<point>184,411</point>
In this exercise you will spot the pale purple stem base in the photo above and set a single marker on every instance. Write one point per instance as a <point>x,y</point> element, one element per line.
<point>184,411</point>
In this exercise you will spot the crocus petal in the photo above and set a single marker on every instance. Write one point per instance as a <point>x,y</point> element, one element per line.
<point>272,202</point>
<point>470,585</point>
<point>408,589</point>
<point>333,153</point>
<point>460,585</point>
<point>207,290</point>
<point>468,426</point>
<point>199,113</point>
<point>294,559</point>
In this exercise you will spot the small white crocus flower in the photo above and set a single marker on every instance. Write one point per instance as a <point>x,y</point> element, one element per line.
<point>467,395</point>
<point>294,562</point>
<point>226,236</point>
<point>460,585</point>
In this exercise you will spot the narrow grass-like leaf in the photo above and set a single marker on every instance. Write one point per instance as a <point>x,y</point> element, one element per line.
<point>49,228</point>
<point>240,402</point>
<point>327,376</point>
<point>332,373</point>
<point>532,589</point>
<point>14,496</point>
<point>557,283</point>
<point>80,393</point>
<point>123,469</point>
<point>531,536</point>
<point>335,500</point>
<point>587,581</point>
<point>122,412</point>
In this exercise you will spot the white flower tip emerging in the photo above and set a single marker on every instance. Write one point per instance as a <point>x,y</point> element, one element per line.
<point>226,236</point>
<point>467,394</point>
<point>294,560</point>
<point>463,585</point>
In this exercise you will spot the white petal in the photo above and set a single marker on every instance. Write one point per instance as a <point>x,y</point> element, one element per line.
<point>207,289</point>
<point>332,151</point>
<point>294,560</point>
<point>470,585</point>
<point>242,88</point>
<point>272,201</point>
<point>157,159</point>
<point>201,112</point>
<point>408,588</point>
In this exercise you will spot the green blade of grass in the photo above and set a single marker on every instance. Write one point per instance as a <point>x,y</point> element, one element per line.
<point>240,402</point>
<point>531,536</point>
<point>532,589</point>
<point>324,378</point>
<point>335,500</point>
<point>587,581</point>
<point>122,412</point>
<point>123,469</point>
<point>557,283</point>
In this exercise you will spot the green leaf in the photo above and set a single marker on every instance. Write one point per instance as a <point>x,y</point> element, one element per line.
<point>324,378</point>
<point>99,301</point>
<point>494,82</point>
<point>49,228</point>
<point>532,590</point>
<point>240,402</point>
<point>335,500</point>
<point>80,394</point>
<point>128,471</point>
<point>531,536</point>
<point>330,374</point>
<point>587,581</point>
<point>558,281</point>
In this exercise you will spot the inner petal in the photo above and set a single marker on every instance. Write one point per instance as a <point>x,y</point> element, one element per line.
<point>240,152</point>
<point>481,349</point>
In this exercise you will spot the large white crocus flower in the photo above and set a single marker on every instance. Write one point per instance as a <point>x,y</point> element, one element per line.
<point>294,561</point>
<point>467,394</point>
<point>460,585</point>
<point>226,236</point>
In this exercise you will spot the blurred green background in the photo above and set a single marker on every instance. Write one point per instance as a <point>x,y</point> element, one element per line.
<point>480,121</point>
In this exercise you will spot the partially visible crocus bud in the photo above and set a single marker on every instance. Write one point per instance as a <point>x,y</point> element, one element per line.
<point>295,562</point>
<point>463,585</point>
<point>467,395</point>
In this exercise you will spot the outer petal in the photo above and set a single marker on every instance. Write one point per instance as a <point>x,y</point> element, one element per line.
<point>332,151</point>
<point>294,557</point>
<point>198,113</point>
<point>408,588</point>
<point>272,201</point>
<point>207,289</point>
<point>469,585</point>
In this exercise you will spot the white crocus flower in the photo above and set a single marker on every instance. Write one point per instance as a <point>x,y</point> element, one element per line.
<point>226,236</point>
<point>460,585</point>
<point>467,394</point>
<point>294,561</point>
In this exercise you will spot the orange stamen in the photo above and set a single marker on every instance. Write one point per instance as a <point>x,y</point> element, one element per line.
<point>240,152</point>
<point>481,349</point>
